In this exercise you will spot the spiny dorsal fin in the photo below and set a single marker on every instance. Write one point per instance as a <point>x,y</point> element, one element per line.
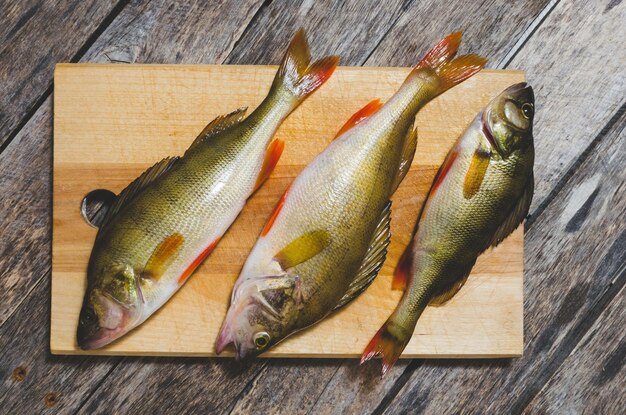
<point>408,151</point>
<point>373,261</point>
<point>449,292</point>
<point>219,124</point>
<point>303,248</point>
<point>136,187</point>
<point>516,216</point>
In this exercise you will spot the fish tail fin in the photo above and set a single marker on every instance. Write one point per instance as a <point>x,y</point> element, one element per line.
<point>297,76</point>
<point>388,342</point>
<point>449,71</point>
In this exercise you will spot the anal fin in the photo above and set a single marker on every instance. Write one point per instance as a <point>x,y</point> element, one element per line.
<point>373,261</point>
<point>368,110</point>
<point>274,151</point>
<point>402,272</point>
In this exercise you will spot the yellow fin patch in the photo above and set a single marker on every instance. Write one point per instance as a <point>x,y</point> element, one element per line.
<point>476,173</point>
<point>303,248</point>
<point>163,255</point>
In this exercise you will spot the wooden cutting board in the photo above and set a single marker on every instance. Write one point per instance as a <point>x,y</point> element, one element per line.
<point>111,122</point>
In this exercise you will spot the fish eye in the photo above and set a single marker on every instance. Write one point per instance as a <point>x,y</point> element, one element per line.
<point>88,316</point>
<point>261,340</point>
<point>527,110</point>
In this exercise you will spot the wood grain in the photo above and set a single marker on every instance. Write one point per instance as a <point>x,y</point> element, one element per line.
<point>142,33</point>
<point>575,261</point>
<point>30,48</point>
<point>592,379</point>
<point>112,122</point>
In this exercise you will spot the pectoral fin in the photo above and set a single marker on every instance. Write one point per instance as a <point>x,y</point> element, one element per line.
<point>476,173</point>
<point>373,261</point>
<point>303,248</point>
<point>163,255</point>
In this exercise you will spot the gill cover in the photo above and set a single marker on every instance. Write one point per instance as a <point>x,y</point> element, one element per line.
<point>508,119</point>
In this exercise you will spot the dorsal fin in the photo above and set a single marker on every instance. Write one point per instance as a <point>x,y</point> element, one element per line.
<point>408,151</point>
<point>360,115</point>
<point>136,187</point>
<point>220,124</point>
<point>373,261</point>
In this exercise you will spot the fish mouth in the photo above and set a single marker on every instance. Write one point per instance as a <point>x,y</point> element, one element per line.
<point>100,338</point>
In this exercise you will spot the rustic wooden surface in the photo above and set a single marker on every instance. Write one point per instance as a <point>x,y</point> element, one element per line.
<point>572,51</point>
<point>111,122</point>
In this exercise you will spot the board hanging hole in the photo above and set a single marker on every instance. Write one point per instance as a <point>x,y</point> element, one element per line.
<point>95,205</point>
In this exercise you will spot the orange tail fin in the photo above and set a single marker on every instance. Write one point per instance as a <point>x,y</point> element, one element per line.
<point>386,344</point>
<point>451,71</point>
<point>297,75</point>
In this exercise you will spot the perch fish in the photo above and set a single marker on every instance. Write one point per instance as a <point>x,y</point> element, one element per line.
<point>481,193</point>
<point>327,238</point>
<point>166,222</point>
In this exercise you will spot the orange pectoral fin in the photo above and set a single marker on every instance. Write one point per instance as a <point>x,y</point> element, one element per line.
<point>196,262</point>
<point>162,256</point>
<point>360,115</point>
<point>274,151</point>
<point>274,215</point>
<point>476,173</point>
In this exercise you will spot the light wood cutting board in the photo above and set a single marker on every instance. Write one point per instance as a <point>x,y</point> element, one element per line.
<point>111,122</point>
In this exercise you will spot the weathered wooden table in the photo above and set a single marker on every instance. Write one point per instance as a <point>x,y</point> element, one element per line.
<point>575,303</point>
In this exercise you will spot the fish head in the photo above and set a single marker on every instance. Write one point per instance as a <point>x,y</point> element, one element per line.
<point>111,308</point>
<point>508,119</point>
<point>256,319</point>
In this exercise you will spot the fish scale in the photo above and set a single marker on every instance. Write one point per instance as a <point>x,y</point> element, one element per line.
<point>481,193</point>
<point>170,218</point>
<point>323,244</point>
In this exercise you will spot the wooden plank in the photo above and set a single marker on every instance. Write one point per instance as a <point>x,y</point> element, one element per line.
<point>571,60</point>
<point>271,53</point>
<point>560,67</point>
<point>32,381</point>
<point>350,388</point>
<point>29,49</point>
<point>351,29</point>
<point>575,261</point>
<point>26,228</point>
<point>592,379</point>
<point>159,110</point>
<point>29,161</point>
